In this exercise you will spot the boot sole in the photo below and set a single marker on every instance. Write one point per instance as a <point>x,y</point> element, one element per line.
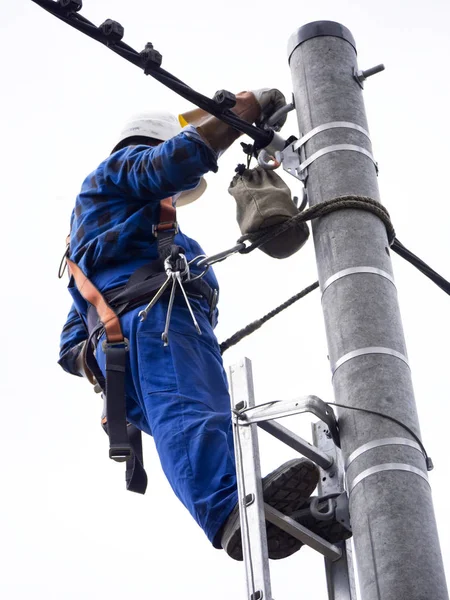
<point>287,489</point>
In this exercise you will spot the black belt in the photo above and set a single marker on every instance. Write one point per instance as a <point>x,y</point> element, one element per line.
<point>125,298</point>
<point>142,286</point>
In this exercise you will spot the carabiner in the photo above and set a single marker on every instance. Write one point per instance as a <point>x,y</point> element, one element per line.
<point>269,162</point>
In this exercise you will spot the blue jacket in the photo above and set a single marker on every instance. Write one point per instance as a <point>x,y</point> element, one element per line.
<point>111,224</point>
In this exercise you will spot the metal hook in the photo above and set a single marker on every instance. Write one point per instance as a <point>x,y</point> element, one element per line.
<point>269,162</point>
<point>320,515</point>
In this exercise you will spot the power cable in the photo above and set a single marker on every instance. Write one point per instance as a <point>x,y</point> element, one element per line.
<point>402,251</point>
<point>149,60</point>
<point>428,460</point>
<point>242,333</point>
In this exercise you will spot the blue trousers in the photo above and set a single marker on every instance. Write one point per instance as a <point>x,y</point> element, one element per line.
<point>179,395</point>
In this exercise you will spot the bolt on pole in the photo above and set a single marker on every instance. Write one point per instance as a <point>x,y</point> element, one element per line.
<point>395,534</point>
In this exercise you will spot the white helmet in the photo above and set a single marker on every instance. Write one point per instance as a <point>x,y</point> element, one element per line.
<point>158,125</point>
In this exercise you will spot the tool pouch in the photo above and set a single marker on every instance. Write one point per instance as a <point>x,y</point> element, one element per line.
<point>263,201</point>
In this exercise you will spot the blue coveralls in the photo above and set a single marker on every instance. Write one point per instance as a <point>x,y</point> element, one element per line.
<point>179,393</point>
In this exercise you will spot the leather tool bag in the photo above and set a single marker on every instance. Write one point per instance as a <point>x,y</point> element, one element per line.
<point>263,201</point>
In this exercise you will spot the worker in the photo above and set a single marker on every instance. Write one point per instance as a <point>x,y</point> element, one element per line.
<point>176,391</point>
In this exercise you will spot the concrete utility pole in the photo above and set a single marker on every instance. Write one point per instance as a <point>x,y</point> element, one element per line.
<point>396,541</point>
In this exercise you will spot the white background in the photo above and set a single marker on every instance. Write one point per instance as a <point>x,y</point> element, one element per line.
<point>69,530</point>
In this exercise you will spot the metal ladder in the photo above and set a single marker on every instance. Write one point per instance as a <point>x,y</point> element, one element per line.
<point>247,416</point>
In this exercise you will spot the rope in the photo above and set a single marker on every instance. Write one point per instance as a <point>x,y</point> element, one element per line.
<point>317,211</point>
<point>242,333</point>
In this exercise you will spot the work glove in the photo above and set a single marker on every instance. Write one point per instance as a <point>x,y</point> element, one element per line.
<point>270,101</point>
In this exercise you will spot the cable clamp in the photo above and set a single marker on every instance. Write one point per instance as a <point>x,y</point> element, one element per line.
<point>71,5</point>
<point>151,58</point>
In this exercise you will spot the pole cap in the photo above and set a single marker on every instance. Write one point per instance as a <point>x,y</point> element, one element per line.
<point>318,29</point>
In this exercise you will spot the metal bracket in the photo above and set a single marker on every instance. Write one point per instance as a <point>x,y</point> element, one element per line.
<point>340,574</point>
<point>291,159</point>
<point>291,162</point>
<point>285,408</point>
<point>337,508</point>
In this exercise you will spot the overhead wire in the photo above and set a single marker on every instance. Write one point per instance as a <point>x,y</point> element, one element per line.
<point>261,136</point>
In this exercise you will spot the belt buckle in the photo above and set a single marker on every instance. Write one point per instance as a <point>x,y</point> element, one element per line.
<point>164,226</point>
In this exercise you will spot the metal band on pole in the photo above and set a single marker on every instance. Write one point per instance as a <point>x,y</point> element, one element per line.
<point>378,444</point>
<point>354,270</point>
<point>334,125</point>
<point>336,148</point>
<point>365,351</point>
<point>387,467</point>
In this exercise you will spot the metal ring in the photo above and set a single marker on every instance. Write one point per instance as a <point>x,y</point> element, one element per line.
<point>364,351</point>
<point>333,125</point>
<point>354,270</point>
<point>397,441</point>
<point>336,148</point>
<point>387,467</point>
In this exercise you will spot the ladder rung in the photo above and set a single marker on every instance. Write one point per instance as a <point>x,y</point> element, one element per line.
<point>297,443</point>
<point>302,533</point>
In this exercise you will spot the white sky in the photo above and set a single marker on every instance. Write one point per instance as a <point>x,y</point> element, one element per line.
<point>68,528</point>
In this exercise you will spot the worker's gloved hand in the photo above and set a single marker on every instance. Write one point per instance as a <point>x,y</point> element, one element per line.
<point>270,101</point>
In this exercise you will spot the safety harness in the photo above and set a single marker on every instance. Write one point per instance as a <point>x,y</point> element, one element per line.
<point>148,283</point>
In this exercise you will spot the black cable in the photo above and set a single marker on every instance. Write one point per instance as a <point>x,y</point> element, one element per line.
<point>74,19</point>
<point>242,333</point>
<point>402,251</point>
<point>428,460</point>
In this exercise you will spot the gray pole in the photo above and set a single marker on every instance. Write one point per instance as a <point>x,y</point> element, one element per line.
<point>395,535</point>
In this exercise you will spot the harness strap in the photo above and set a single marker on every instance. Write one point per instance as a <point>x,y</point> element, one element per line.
<point>91,294</point>
<point>135,476</point>
<point>119,445</point>
<point>167,216</point>
<point>122,448</point>
<point>166,228</point>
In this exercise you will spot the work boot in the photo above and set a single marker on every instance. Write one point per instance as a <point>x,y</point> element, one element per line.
<point>286,489</point>
<point>331,530</point>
